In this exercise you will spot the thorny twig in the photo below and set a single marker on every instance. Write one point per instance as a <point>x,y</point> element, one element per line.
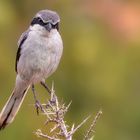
<point>89,134</point>
<point>55,113</point>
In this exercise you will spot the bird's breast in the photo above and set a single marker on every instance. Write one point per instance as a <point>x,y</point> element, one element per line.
<point>40,56</point>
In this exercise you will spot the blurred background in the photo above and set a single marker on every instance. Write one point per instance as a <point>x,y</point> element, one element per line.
<point>100,67</point>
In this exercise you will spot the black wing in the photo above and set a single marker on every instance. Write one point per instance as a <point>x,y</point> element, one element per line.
<point>20,42</point>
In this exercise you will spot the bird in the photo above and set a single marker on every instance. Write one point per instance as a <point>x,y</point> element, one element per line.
<point>39,52</point>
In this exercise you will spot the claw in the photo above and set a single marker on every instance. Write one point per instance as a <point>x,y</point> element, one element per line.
<point>38,106</point>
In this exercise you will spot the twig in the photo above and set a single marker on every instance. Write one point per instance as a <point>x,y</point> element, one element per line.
<point>40,134</point>
<point>91,130</point>
<point>55,113</point>
<point>75,129</point>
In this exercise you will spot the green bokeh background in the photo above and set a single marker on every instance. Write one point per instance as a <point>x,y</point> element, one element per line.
<point>97,71</point>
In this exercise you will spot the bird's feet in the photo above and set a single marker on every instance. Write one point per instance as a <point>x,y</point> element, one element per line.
<point>38,105</point>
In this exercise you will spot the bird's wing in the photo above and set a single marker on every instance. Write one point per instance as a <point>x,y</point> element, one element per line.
<point>21,40</point>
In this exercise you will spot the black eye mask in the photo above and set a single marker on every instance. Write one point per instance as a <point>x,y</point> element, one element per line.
<point>39,21</point>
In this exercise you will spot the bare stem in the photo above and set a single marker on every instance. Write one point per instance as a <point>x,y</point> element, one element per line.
<point>91,130</point>
<point>55,113</point>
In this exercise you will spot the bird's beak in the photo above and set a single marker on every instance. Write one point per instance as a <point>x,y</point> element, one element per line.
<point>48,27</point>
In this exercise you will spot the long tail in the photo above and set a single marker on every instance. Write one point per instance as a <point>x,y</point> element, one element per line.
<point>12,106</point>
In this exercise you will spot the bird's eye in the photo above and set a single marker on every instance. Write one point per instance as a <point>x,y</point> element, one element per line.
<point>37,20</point>
<point>56,26</point>
<point>40,20</point>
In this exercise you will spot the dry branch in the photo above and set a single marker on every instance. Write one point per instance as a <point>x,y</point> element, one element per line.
<point>55,113</point>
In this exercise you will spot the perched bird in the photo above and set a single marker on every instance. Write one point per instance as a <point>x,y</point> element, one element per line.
<point>39,51</point>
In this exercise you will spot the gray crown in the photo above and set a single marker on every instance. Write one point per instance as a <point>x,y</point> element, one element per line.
<point>48,16</point>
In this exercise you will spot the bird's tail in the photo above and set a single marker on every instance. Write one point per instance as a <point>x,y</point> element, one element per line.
<point>12,106</point>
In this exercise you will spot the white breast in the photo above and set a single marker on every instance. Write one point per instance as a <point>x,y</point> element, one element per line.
<point>40,55</point>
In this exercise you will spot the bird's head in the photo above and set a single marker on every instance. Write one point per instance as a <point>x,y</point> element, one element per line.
<point>45,20</point>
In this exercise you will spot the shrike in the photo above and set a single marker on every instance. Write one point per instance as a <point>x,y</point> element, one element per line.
<point>39,52</point>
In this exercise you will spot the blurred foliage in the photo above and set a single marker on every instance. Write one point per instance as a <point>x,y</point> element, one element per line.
<point>100,68</point>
